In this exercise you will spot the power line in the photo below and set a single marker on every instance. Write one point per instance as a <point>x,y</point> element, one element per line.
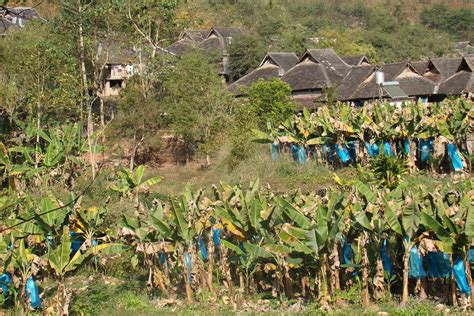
<point>72,202</point>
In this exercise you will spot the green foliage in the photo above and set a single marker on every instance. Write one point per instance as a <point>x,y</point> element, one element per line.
<point>388,171</point>
<point>240,134</point>
<point>455,21</point>
<point>245,53</point>
<point>198,106</point>
<point>270,101</point>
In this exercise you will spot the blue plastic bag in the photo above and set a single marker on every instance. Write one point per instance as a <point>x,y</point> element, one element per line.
<point>32,292</point>
<point>343,153</point>
<point>5,279</point>
<point>372,149</point>
<point>274,151</point>
<point>456,160</point>
<point>76,241</point>
<point>347,253</point>
<point>187,260</point>
<point>426,148</point>
<point>202,246</point>
<point>294,152</point>
<point>162,258</point>
<point>460,276</point>
<point>387,149</point>
<point>386,260</point>
<point>216,236</point>
<point>406,146</point>
<point>301,155</point>
<point>351,145</point>
<point>416,265</point>
<point>439,264</point>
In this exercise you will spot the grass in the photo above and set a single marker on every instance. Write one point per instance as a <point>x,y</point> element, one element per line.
<point>282,175</point>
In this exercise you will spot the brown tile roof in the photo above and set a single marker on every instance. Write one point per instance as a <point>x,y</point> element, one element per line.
<point>284,60</point>
<point>458,83</point>
<point>414,84</point>
<point>336,68</point>
<point>307,75</point>
<point>351,82</point>
<point>421,66</point>
<point>264,72</point>
<point>181,47</point>
<point>225,31</point>
<point>193,35</point>
<point>212,44</point>
<point>355,61</point>
<point>446,66</point>
<point>411,82</point>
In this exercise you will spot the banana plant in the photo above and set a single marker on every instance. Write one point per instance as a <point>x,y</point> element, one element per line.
<point>61,262</point>
<point>131,182</point>
<point>17,256</point>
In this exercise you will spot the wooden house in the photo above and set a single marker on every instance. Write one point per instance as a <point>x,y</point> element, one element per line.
<point>316,71</point>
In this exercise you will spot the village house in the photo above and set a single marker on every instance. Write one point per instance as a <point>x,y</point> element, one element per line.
<point>316,71</point>
<point>121,62</point>
<point>216,44</point>
<point>16,17</point>
<point>272,65</point>
<point>354,78</point>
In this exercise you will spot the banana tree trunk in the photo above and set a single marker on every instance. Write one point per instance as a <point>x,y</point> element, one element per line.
<point>454,299</point>
<point>365,273</point>
<point>226,271</point>
<point>335,268</point>
<point>421,288</point>
<point>210,265</point>
<point>379,281</point>
<point>187,276</point>
<point>406,264</point>
<point>324,297</point>
<point>288,280</point>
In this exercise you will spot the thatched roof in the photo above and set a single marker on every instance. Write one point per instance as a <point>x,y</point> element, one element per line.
<point>307,75</point>
<point>264,72</point>
<point>308,100</point>
<point>283,60</point>
<point>355,61</point>
<point>351,82</point>
<point>336,68</point>
<point>446,66</point>
<point>458,83</point>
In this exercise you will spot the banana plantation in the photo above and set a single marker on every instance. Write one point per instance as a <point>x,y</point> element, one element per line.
<point>433,136</point>
<point>388,240</point>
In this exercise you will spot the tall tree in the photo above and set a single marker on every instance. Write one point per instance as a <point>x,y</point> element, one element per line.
<point>199,106</point>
